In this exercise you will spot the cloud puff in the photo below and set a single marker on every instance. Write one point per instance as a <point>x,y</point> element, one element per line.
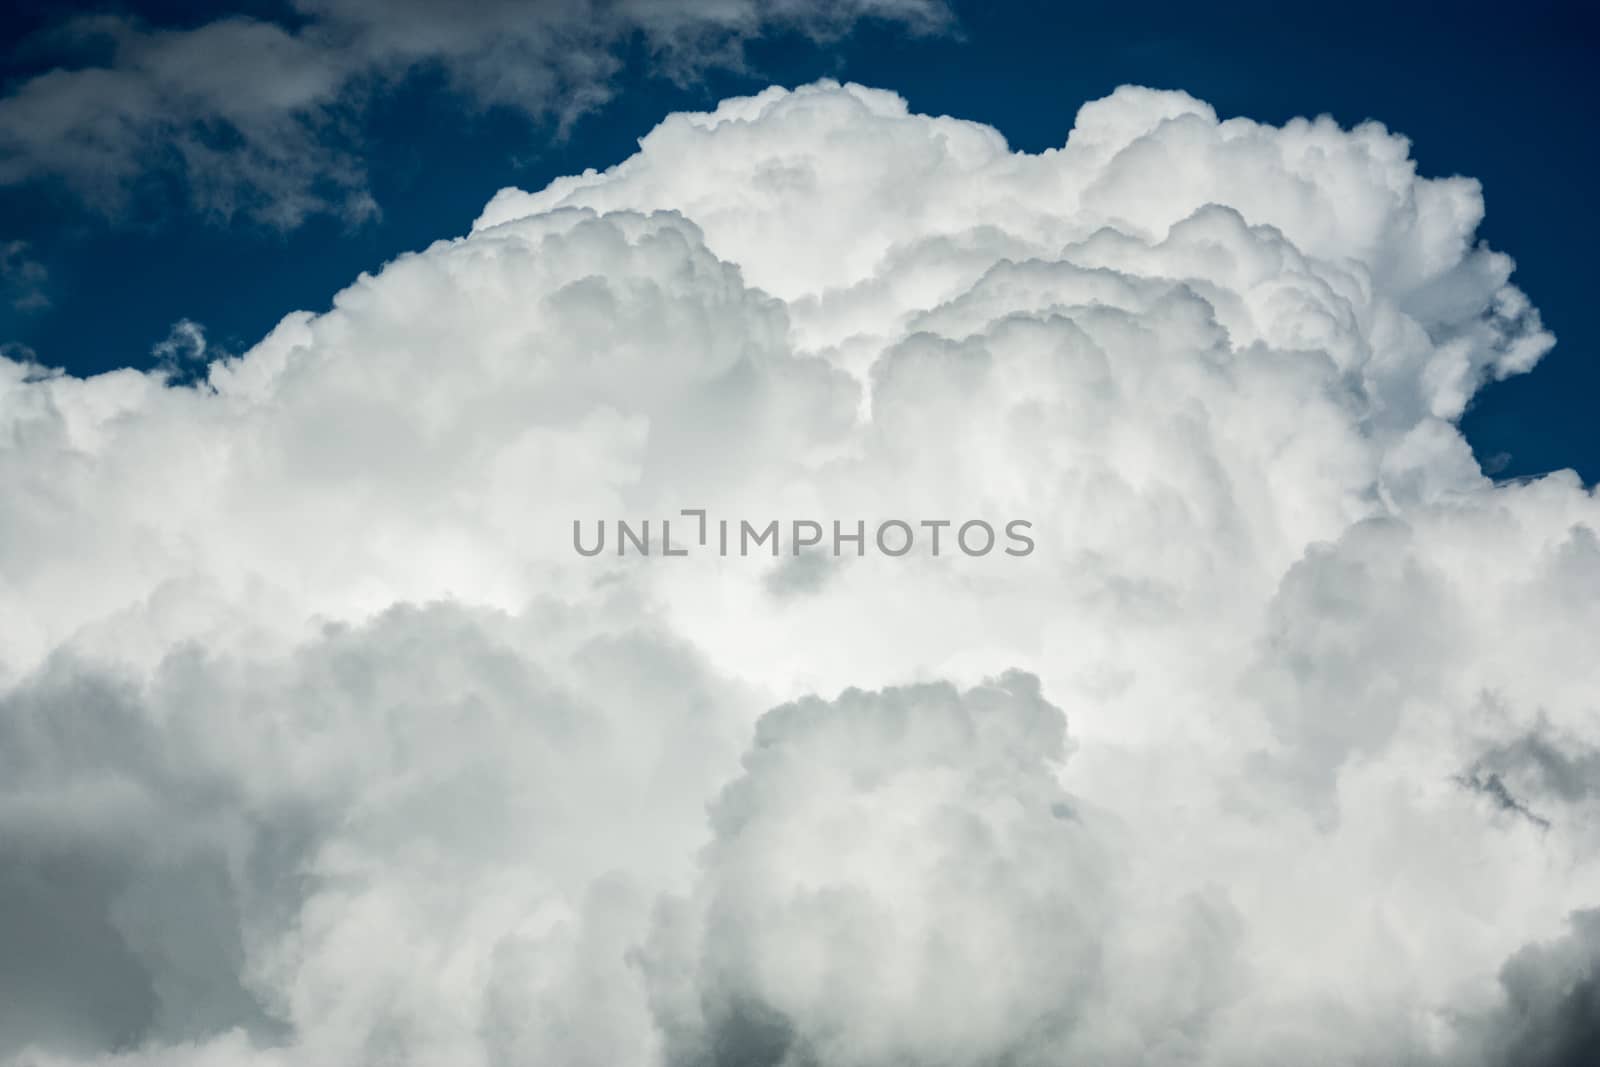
<point>912,850</point>
<point>323,745</point>
<point>344,847</point>
<point>254,118</point>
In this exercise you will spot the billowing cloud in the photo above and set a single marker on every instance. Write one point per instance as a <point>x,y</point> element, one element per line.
<point>913,850</point>
<point>378,824</point>
<point>322,744</point>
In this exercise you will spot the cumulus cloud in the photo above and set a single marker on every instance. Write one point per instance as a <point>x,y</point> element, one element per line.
<point>256,118</point>
<point>322,745</point>
<point>343,847</point>
<point>913,850</point>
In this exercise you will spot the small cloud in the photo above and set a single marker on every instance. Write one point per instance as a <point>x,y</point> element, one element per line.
<point>182,355</point>
<point>22,278</point>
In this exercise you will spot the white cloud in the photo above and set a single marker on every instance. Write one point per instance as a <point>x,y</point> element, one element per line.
<point>1330,689</point>
<point>911,850</point>
<point>346,846</point>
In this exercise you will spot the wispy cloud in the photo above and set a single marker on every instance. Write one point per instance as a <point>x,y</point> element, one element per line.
<point>22,278</point>
<point>246,117</point>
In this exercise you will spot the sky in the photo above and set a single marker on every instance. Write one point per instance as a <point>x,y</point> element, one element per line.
<point>800,533</point>
<point>1504,97</point>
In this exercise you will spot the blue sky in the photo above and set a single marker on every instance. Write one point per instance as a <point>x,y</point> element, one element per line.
<point>1505,95</point>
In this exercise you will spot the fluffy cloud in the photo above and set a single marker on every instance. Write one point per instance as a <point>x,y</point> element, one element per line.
<point>370,847</point>
<point>913,850</point>
<point>322,745</point>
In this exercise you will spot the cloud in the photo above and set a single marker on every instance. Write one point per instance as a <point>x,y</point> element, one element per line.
<point>1553,995</point>
<point>185,344</point>
<point>22,278</point>
<point>175,874</point>
<point>322,745</point>
<point>246,117</point>
<point>911,850</point>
